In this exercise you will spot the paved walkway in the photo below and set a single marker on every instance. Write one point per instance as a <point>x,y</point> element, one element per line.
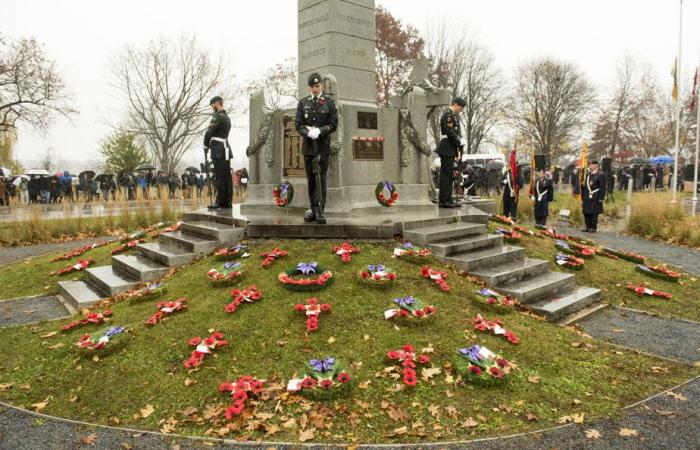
<point>29,310</point>
<point>9,255</point>
<point>681,257</point>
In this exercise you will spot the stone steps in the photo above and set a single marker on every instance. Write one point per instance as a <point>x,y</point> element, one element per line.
<point>455,246</point>
<point>502,274</point>
<point>108,281</point>
<point>189,242</point>
<point>79,294</point>
<point>445,232</point>
<point>557,306</point>
<point>482,258</point>
<point>139,267</point>
<point>167,255</point>
<point>532,289</point>
<point>472,215</point>
<point>212,230</point>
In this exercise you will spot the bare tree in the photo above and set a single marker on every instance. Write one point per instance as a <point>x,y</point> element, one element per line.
<point>167,85</point>
<point>31,90</point>
<point>550,103</point>
<point>49,162</point>
<point>469,68</point>
<point>279,83</point>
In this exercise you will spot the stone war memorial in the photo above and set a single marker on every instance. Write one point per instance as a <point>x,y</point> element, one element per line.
<point>407,324</point>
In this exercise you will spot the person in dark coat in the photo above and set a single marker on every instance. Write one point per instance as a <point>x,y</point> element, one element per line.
<point>544,193</point>
<point>450,150</point>
<point>216,142</point>
<point>592,196</point>
<point>510,197</point>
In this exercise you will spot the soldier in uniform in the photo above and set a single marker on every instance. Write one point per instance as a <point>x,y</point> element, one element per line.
<point>450,150</point>
<point>316,119</point>
<point>510,192</point>
<point>216,141</point>
<point>542,195</point>
<point>592,196</point>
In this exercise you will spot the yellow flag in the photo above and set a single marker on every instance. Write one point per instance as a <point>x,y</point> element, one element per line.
<point>582,166</point>
<point>674,74</point>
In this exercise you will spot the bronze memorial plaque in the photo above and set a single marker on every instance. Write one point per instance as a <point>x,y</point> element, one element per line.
<point>367,120</point>
<point>367,150</point>
<point>293,159</point>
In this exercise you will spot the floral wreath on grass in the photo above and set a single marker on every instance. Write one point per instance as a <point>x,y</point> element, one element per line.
<point>170,229</point>
<point>127,246</point>
<point>566,248</point>
<point>582,241</point>
<point>659,272</point>
<point>526,231</point>
<point>166,309</point>
<point>436,276</point>
<point>272,256</point>
<point>310,281</point>
<point>322,379</point>
<point>383,200</point>
<point>312,309</point>
<point>509,236</point>
<point>643,290</point>
<point>228,275</point>
<point>569,261</point>
<point>627,256</point>
<point>502,302</point>
<point>155,226</point>
<point>479,364</point>
<point>495,326</point>
<point>345,251</point>
<point>584,250</point>
<point>551,232</point>
<point>409,360</point>
<point>136,235</point>
<point>90,319</point>
<point>377,276</point>
<point>245,387</point>
<point>87,341</point>
<point>204,347</point>
<point>283,194</point>
<point>505,220</point>
<point>77,267</point>
<point>412,253</point>
<point>79,251</point>
<point>604,252</point>
<point>410,308</point>
<point>149,292</point>
<point>251,294</point>
<point>234,252</point>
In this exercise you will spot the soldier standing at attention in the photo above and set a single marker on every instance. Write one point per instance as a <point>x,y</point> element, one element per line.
<point>592,196</point>
<point>316,119</point>
<point>449,149</point>
<point>216,140</point>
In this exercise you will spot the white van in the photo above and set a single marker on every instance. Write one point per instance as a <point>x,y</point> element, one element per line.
<point>481,159</point>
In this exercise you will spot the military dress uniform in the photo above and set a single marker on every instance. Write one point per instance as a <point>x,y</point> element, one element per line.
<point>216,141</point>
<point>510,194</point>
<point>316,112</point>
<point>449,147</point>
<point>544,193</point>
<point>592,196</point>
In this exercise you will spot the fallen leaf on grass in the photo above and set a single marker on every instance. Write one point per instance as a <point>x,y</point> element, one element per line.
<point>657,369</point>
<point>592,434</point>
<point>189,411</point>
<point>5,386</point>
<point>532,417</point>
<point>574,418</point>
<point>189,382</point>
<point>41,405</point>
<point>534,379</point>
<point>364,384</point>
<point>48,335</point>
<point>625,432</point>
<point>427,374</point>
<point>470,423</point>
<point>147,411</point>
<point>25,386</point>
<point>89,439</point>
<point>307,435</point>
<point>331,340</point>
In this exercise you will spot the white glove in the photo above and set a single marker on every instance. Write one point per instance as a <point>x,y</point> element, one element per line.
<point>532,197</point>
<point>314,133</point>
<point>462,142</point>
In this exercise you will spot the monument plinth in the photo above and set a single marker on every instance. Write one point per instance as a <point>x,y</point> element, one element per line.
<point>372,144</point>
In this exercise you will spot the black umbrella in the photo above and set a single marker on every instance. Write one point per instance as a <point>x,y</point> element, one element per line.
<point>146,167</point>
<point>103,176</point>
<point>193,169</point>
<point>86,174</point>
<point>637,161</point>
<point>494,165</point>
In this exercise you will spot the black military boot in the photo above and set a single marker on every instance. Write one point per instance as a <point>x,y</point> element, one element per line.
<point>309,215</point>
<point>319,216</point>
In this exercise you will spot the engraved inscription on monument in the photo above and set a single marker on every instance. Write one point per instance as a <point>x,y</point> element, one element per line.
<point>293,159</point>
<point>366,150</point>
<point>367,120</point>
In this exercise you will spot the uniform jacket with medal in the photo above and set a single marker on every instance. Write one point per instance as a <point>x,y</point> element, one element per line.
<point>451,135</point>
<point>544,193</point>
<point>321,114</point>
<point>219,127</point>
<point>593,193</point>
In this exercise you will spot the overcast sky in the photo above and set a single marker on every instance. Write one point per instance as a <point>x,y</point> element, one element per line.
<point>82,36</point>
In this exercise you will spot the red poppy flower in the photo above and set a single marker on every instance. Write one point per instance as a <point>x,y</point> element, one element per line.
<point>377,277</point>
<point>410,380</point>
<point>423,359</point>
<point>326,384</point>
<point>308,383</point>
<point>496,372</point>
<point>230,308</point>
<point>391,276</point>
<point>430,310</point>
<point>393,354</point>
<point>403,313</point>
<point>256,386</point>
<point>325,307</point>
<point>300,307</point>
<point>344,377</point>
<point>476,370</point>
<point>364,274</point>
<point>194,341</point>
<point>502,362</point>
<point>408,348</point>
<point>240,396</point>
<point>419,313</point>
<point>425,271</point>
<point>234,410</point>
<point>408,363</point>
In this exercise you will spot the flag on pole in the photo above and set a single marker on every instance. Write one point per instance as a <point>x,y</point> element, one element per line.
<point>514,170</point>
<point>694,94</point>
<point>674,74</point>
<point>532,173</point>
<point>583,165</point>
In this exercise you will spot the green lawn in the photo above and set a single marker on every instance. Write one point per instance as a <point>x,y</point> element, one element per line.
<point>613,276</point>
<point>576,375</point>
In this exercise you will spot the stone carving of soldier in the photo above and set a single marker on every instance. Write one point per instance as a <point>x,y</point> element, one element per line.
<point>216,141</point>
<point>449,149</point>
<point>316,119</point>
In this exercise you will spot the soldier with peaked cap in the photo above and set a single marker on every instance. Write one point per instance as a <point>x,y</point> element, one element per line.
<point>449,149</point>
<point>542,195</point>
<point>316,119</point>
<point>592,197</point>
<point>216,141</point>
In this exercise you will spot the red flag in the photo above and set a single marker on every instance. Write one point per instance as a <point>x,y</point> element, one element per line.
<point>514,170</point>
<point>694,97</point>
